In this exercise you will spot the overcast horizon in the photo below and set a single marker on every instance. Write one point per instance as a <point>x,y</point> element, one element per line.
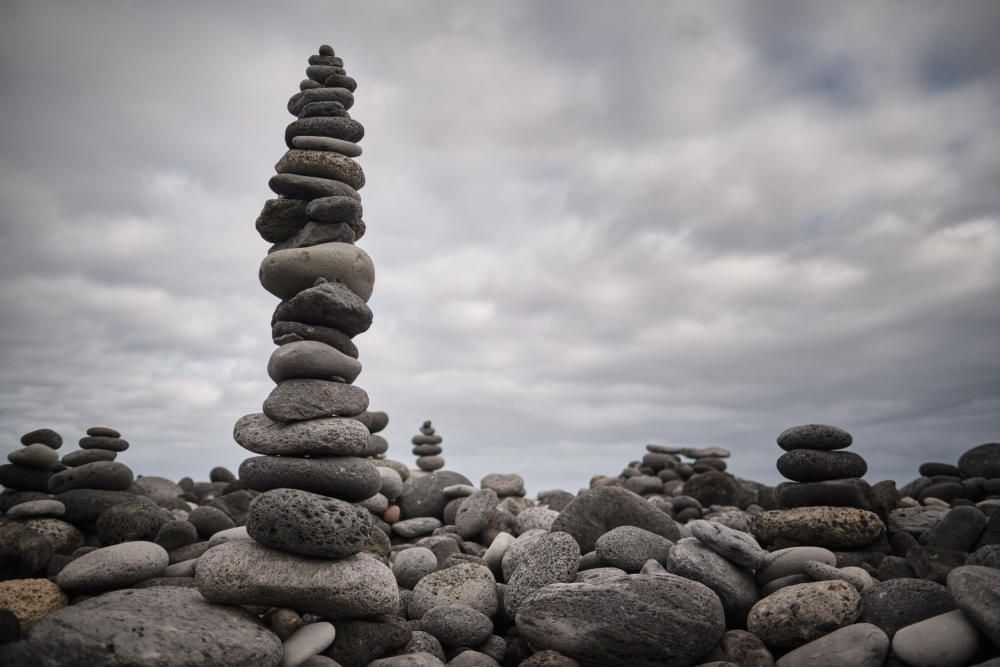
<point>594,226</point>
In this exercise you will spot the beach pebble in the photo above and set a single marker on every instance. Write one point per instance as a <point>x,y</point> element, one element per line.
<point>946,640</point>
<point>115,566</point>
<point>858,645</point>
<point>307,641</point>
<point>798,614</point>
<point>629,547</point>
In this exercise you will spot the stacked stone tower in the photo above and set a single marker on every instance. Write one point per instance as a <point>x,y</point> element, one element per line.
<point>427,448</point>
<point>822,473</point>
<point>313,435</point>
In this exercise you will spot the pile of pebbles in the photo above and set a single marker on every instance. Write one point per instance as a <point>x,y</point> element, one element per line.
<point>427,448</point>
<point>322,551</point>
<point>703,568</point>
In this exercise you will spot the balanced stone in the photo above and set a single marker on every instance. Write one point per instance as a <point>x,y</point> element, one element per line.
<point>347,148</point>
<point>833,527</point>
<point>24,478</point>
<point>115,444</point>
<point>106,475</point>
<point>334,209</point>
<point>35,455</point>
<point>835,493</point>
<point>343,477</point>
<point>81,457</point>
<point>244,572</point>
<point>325,108</point>
<point>324,164</point>
<point>331,436</point>
<point>346,129</point>
<point>814,465</point>
<point>308,524</point>
<point>287,272</point>
<point>814,436</point>
<point>309,187</point>
<point>103,432</point>
<point>341,81</point>
<point>430,463</point>
<point>343,96</point>
<point>284,333</point>
<point>315,233</point>
<point>36,508</point>
<point>312,360</point>
<point>45,436</point>
<point>981,461</point>
<point>671,622</point>
<point>281,219</point>
<point>327,304</point>
<point>300,400</point>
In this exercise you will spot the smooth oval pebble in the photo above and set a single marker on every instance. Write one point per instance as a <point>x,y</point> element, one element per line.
<point>629,547</point>
<point>312,359</point>
<point>302,400</point>
<point>814,436</point>
<point>858,645</point>
<point>307,641</point>
<point>345,477</point>
<point>813,465</point>
<point>946,640</point>
<point>465,583</point>
<point>116,566</point>
<point>103,475</point>
<point>285,273</point>
<point>35,455</point>
<point>36,508</point>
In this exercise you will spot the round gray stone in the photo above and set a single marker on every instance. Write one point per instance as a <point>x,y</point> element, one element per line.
<point>552,558</point>
<point>301,400</point>
<point>424,496</point>
<point>308,524</point>
<point>35,455</point>
<point>735,546</point>
<point>130,522</point>
<point>45,436</point>
<point>474,513</point>
<point>465,583</point>
<point>629,547</point>
<point>327,304</point>
<point>313,360</point>
<point>814,465</point>
<point>81,457</point>
<point>457,625</point>
<point>36,508</point>
<point>858,645</point>
<point>411,565</point>
<point>113,443</point>
<point>348,148</point>
<point>324,164</point>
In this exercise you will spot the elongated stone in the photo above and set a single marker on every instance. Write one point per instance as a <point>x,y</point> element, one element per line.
<point>324,164</point>
<point>332,436</point>
<point>308,524</point>
<point>244,572</point>
<point>344,477</point>
<point>346,129</point>
<point>311,359</point>
<point>328,304</point>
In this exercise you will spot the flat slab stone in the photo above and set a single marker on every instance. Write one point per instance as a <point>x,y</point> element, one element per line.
<point>345,477</point>
<point>244,572</point>
<point>332,436</point>
<point>347,148</point>
<point>164,626</point>
<point>106,475</point>
<point>325,164</point>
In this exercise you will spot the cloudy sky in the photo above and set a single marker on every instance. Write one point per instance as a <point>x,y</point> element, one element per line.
<point>594,225</point>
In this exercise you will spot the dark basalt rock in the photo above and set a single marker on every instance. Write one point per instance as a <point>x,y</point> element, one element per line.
<point>813,465</point>
<point>343,477</point>
<point>596,511</point>
<point>308,524</point>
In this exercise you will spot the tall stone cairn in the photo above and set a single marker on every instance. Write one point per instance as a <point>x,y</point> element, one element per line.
<point>308,547</point>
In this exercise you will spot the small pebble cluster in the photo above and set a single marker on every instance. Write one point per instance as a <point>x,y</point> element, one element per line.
<point>323,552</point>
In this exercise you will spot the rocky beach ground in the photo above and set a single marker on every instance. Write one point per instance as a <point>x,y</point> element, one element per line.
<point>324,550</point>
<point>674,561</point>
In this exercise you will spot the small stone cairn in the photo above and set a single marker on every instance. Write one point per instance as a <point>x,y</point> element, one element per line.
<point>314,438</point>
<point>427,448</point>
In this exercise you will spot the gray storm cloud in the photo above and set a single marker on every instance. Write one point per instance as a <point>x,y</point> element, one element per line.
<point>594,225</point>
